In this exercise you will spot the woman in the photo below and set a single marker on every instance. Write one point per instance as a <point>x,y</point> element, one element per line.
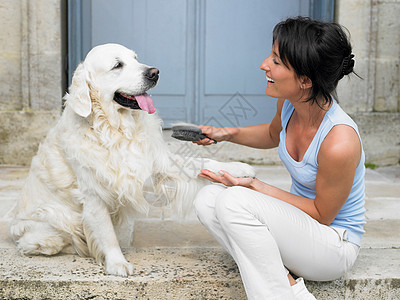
<point>314,231</point>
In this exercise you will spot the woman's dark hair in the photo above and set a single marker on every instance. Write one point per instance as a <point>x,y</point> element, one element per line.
<point>321,51</point>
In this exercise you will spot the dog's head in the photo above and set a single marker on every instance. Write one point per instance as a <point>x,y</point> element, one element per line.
<point>120,81</point>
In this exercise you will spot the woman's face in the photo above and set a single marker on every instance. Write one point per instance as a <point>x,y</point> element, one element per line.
<point>282,82</point>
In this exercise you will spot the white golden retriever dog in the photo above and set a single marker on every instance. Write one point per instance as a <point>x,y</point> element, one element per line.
<point>89,173</point>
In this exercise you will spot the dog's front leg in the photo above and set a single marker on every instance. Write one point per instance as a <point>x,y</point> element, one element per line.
<point>236,169</point>
<point>102,240</point>
<point>191,166</point>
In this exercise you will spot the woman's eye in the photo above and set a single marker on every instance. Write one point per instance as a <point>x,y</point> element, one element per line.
<point>275,61</point>
<point>118,65</point>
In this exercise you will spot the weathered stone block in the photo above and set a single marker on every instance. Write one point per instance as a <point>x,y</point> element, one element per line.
<point>351,90</point>
<point>380,136</point>
<point>45,83</point>
<point>10,81</point>
<point>387,91</point>
<point>355,15</point>
<point>356,95</point>
<point>10,23</point>
<point>388,38</point>
<point>387,81</point>
<point>21,132</point>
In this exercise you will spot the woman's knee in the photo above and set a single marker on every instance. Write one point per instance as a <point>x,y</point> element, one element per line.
<point>204,202</point>
<point>231,204</point>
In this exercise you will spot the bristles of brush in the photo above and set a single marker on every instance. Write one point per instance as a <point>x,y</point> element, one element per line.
<point>187,132</point>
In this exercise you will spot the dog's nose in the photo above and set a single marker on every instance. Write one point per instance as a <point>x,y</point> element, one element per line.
<point>152,74</point>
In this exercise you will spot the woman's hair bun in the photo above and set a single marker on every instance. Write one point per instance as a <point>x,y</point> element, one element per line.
<point>348,64</point>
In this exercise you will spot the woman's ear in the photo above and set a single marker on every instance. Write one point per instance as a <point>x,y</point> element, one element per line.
<point>78,97</point>
<point>305,82</point>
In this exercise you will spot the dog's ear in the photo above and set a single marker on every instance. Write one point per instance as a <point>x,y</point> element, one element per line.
<point>78,97</point>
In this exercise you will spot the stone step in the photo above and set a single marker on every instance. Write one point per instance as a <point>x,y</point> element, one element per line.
<point>181,260</point>
<point>178,273</point>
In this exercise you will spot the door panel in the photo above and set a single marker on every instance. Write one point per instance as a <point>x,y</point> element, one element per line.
<point>237,38</point>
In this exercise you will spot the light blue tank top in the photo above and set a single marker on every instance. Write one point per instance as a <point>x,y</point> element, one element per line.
<point>304,173</point>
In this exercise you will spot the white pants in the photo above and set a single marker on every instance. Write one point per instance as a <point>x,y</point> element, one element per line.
<point>267,237</point>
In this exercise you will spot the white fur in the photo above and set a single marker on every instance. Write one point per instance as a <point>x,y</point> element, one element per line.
<point>89,173</point>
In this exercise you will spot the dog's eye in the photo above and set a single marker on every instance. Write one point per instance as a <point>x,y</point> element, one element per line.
<point>118,65</point>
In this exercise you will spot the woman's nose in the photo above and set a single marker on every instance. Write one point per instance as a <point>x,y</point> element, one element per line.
<point>264,65</point>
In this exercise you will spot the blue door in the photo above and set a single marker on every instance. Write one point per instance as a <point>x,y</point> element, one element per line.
<point>208,51</point>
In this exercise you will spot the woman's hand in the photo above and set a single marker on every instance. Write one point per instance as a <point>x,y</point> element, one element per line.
<point>218,134</point>
<point>227,179</point>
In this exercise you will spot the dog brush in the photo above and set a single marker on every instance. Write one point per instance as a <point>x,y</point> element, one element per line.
<point>188,132</point>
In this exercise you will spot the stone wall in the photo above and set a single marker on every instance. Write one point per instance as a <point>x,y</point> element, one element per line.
<point>30,75</point>
<point>31,80</point>
<point>374,101</point>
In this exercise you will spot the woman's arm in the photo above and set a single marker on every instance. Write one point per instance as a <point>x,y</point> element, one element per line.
<point>263,136</point>
<point>338,159</point>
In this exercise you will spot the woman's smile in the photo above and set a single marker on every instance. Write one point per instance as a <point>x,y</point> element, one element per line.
<point>269,80</point>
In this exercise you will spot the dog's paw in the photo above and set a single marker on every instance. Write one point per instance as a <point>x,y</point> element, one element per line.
<point>121,268</point>
<point>116,264</point>
<point>238,169</point>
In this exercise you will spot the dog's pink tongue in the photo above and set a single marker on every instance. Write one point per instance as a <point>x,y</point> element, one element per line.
<point>146,103</point>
